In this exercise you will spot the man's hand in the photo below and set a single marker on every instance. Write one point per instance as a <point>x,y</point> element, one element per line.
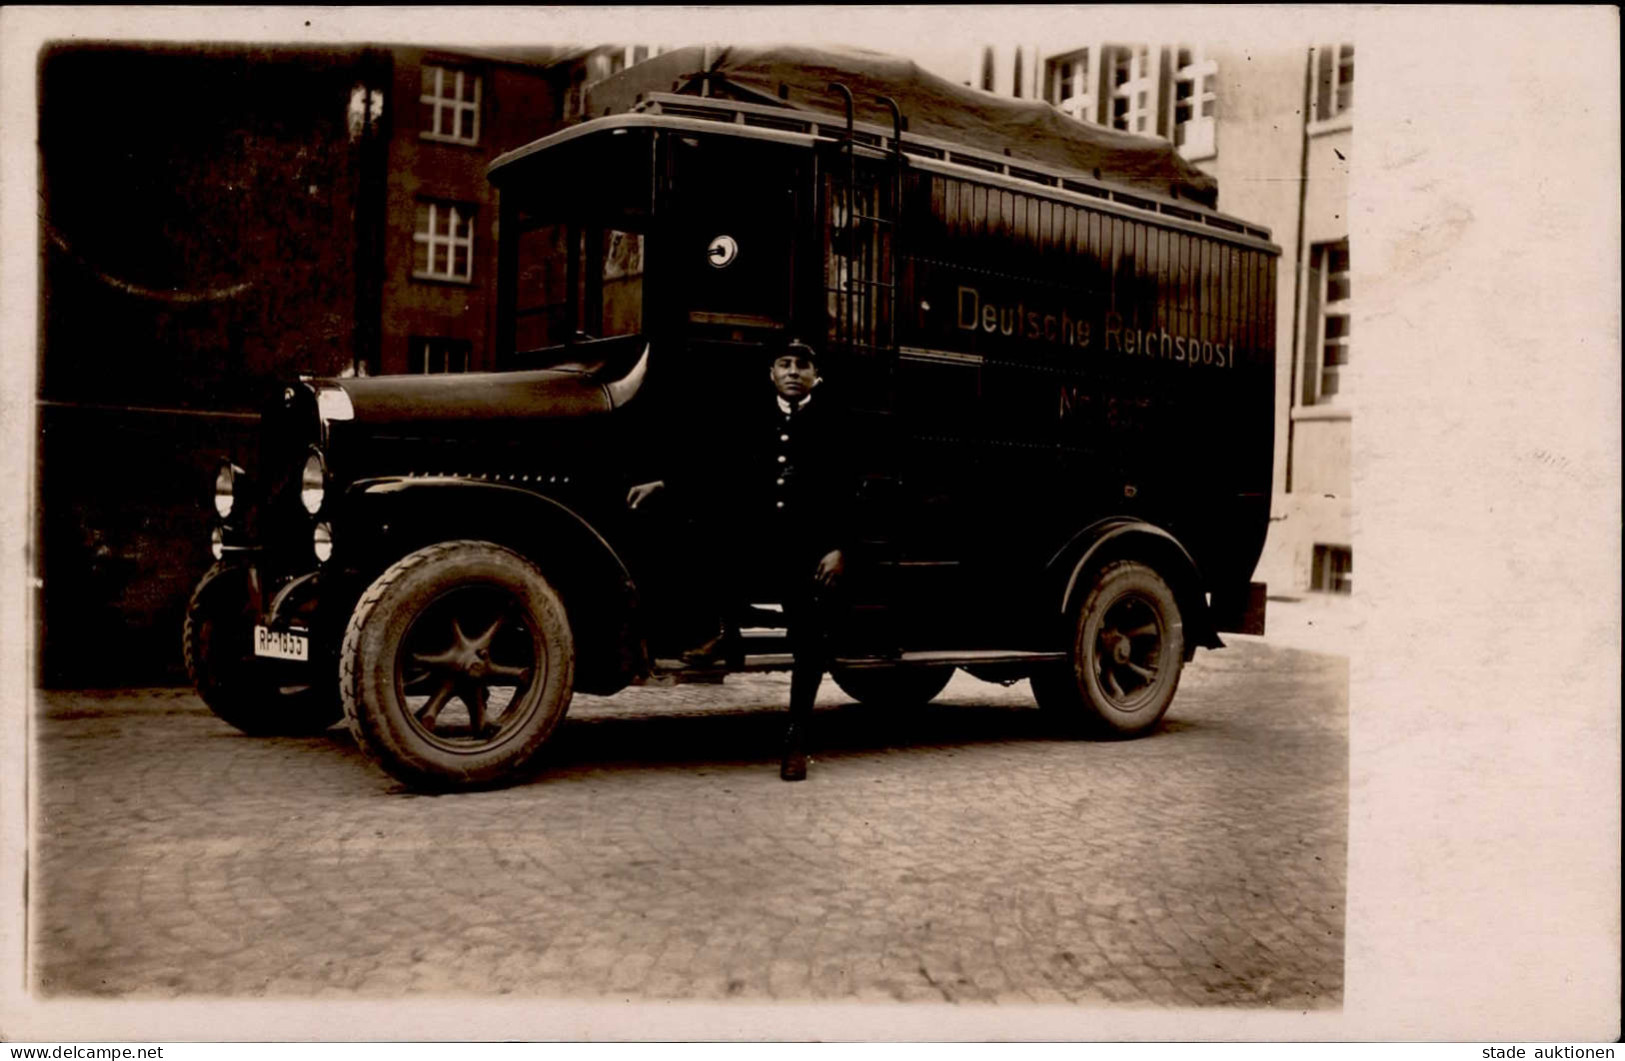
<point>830,568</point>
<point>643,492</point>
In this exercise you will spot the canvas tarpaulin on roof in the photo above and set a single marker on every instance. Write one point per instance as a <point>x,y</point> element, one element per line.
<point>1022,130</point>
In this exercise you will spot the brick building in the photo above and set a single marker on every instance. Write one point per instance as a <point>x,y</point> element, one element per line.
<point>216,219</point>
<point>1275,128</point>
<point>460,110</point>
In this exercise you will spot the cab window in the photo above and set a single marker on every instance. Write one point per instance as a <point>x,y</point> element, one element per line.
<point>736,215</point>
<point>576,282</point>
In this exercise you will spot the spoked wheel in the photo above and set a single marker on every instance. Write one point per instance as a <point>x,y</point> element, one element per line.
<point>1127,654</point>
<point>461,688</point>
<point>457,665</point>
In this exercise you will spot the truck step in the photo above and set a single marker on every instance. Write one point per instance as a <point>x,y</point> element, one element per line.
<point>952,657</point>
<point>669,672</point>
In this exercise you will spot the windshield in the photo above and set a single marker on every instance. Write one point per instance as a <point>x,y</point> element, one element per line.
<point>576,246</point>
<point>577,283</point>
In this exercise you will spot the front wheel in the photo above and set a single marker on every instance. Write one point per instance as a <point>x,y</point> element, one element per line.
<point>457,664</point>
<point>1127,651</point>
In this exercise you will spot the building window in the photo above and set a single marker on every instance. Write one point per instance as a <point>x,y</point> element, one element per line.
<point>1329,322</point>
<point>444,242</point>
<point>1132,88</point>
<point>1334,81</point>
<point>1334,569</point>
<point>430,356</point>
<point>1196,98</point>
<point>450,105</point>
<point>1067,78</point>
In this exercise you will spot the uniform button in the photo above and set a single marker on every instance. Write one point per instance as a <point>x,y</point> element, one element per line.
<point>782,458</point>
<point>781,482</point>
<point>778,504</point>
<point>784,438</point>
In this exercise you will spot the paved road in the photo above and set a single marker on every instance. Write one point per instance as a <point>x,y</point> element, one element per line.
<point>958,852</point>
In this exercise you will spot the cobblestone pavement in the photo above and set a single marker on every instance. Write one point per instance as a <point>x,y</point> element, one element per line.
<point>956,852</point>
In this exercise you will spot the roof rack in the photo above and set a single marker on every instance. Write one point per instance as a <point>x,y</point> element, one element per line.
<point>830,127</point>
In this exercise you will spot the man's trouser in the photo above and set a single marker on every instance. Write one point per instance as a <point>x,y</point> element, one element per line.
<point>772,567</point>
<point>726,567</point>
<point>809,612</point>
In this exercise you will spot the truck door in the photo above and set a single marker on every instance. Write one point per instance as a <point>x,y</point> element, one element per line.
<point>915,422</point>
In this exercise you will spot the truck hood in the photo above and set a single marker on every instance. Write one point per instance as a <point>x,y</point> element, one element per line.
<point>426,404</point>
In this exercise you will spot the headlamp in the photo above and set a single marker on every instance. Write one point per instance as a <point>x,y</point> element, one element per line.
<point>313,483</point>
<point>333,403</point>
<point>225,488</point>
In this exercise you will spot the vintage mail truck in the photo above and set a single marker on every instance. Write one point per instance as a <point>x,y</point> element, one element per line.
<point>1062,384</point>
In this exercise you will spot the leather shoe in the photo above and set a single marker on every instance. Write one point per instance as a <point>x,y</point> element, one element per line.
<point>794,766</point>
<point>708,653</point>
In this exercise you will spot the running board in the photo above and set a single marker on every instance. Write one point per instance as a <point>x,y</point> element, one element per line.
<point>952,658</point>
<point>668,672</point>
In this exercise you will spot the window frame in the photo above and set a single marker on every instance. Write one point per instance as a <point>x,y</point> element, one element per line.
<point>451,241</point>
<point>1331,569</point>
<point>1196,137</point>
<point>587,252</point>
<point>1137,92</point>
<point>1331,81</point>
<point>1316,368</point>
<point>419,349</point>
<point>440,101</point>
<point>1077,99</point>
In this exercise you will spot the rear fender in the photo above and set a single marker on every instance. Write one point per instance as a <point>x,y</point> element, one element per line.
<point>1126,538</point>
<point>384,519</point>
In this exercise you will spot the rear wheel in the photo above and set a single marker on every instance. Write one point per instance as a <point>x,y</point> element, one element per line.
<point>1127,652</point>
<point>892,686</point>
<point>261,697</point>
<point>457,665</point>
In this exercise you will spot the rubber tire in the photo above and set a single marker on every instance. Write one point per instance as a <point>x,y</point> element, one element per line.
<point>1073,691</point>
<point>379,718</point>
<point>237,687</point>
<point>892,686</point>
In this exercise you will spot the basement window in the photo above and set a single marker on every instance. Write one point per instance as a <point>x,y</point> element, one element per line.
<point>1334,569</point>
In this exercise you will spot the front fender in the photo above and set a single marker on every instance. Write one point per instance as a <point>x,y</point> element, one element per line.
<point>383,519</point>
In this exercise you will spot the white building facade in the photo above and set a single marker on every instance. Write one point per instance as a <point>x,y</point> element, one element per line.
<point>1275,128</point>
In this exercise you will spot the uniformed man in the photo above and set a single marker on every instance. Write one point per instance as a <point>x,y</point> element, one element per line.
<point>781,528</point>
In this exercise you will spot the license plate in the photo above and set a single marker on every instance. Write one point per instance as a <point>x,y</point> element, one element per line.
<point>280,644</point>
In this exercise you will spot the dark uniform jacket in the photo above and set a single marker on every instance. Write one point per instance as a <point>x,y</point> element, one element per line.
<point>774,491</point>
<point>795,476</point>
